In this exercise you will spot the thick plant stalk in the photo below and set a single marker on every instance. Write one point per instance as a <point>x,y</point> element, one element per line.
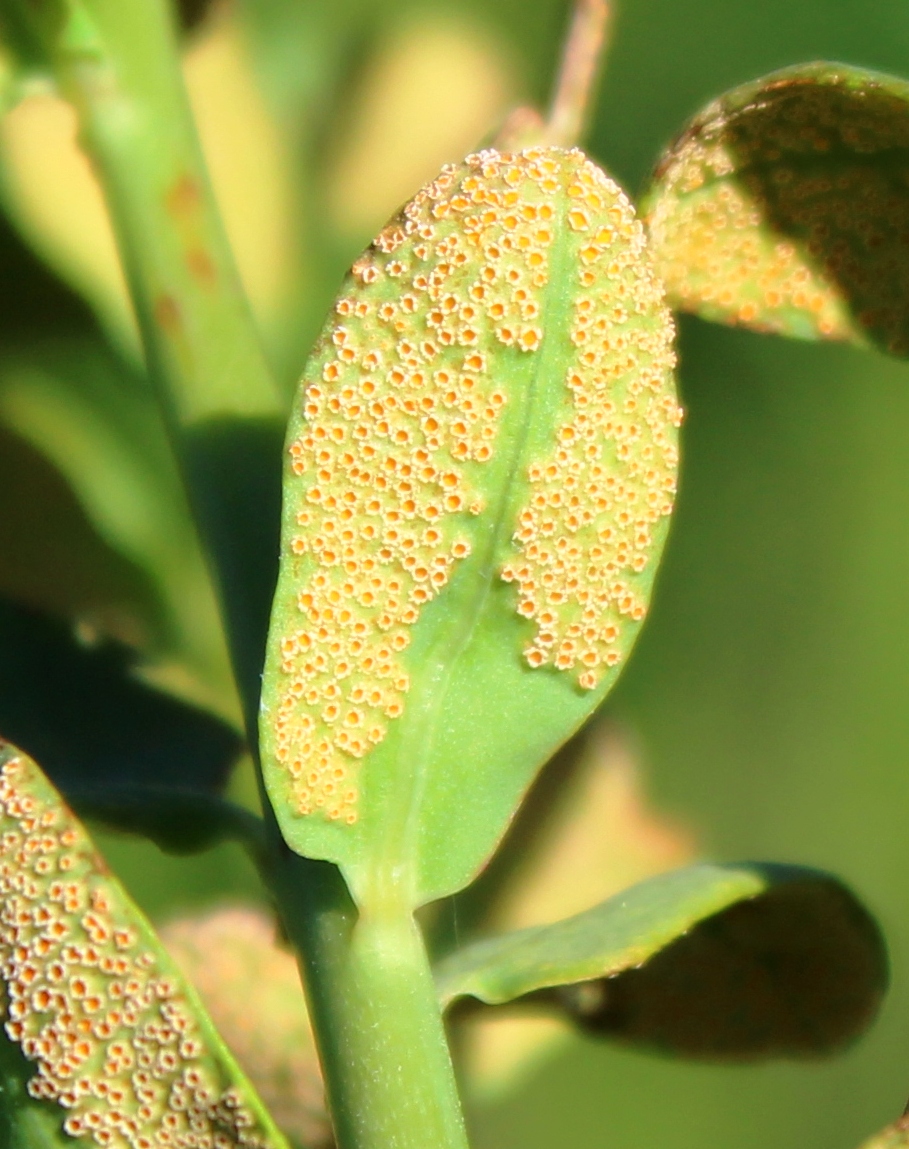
<point>375,1012</point>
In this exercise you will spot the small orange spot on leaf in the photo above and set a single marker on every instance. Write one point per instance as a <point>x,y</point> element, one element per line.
<point>184,196</point>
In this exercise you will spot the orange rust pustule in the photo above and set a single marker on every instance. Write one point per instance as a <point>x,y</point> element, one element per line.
<point>250,985</point>
<point>403,411</point>
<point>184,197</point>
<point>782,208</point>
<point>201,266</point>
<point>111,1034</point>
<point>167,314</point>
<point>587,530</point>
<point>400,411</point>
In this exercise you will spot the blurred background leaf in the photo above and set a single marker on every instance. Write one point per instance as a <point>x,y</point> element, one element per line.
<point>586,831</point>
<point>895,1136</point>
<point>250,986</point>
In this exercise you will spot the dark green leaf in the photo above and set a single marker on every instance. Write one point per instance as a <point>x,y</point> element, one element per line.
<point>95,419</point>
<point>711,961</point>
<point>118,749</point>
<point>91,414</point>
<point>784,207</point>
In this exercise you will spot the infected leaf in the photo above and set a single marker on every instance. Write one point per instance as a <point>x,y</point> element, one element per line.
<point>481,466</point>
<point>784,207</point>
<point>109,1035</point>
<point>712,961</point>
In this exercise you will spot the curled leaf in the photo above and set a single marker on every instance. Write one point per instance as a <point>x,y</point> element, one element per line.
<point>107,1032</point>
<point>712,961</point>
<point>784,207</point>
<point>481,465</point>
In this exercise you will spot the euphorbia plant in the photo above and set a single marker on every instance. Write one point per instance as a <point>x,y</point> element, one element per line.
<point>478,476</point>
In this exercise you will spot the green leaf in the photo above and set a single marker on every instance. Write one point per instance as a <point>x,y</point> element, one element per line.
<point>480,471</point>
<point>784,207</point>
<point>712,961</point>
<point>101,1032</point>
<point>119,750</point>
<point>92,414</point>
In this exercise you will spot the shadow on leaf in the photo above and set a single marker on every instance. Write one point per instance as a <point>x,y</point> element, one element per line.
<point>743,961</point>
<point>784,207</point>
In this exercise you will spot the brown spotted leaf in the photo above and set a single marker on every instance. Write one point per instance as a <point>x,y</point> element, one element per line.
<point>102,1037</point>
<point>784,207</point>
<point>479,475</point>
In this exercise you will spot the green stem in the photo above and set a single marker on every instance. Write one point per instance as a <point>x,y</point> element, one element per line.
<point>376,1015</point>
<point>582,61</point>
<point>118,64</point>
<point>571,107</point>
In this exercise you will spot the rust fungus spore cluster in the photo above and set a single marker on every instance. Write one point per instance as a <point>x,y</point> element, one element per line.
<point>401,416</point>
<point>785,211</point>
<point>110,1032</point>
<point>587,530</point>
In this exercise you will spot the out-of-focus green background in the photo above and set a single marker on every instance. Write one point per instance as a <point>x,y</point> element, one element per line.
<point>770,691</point>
